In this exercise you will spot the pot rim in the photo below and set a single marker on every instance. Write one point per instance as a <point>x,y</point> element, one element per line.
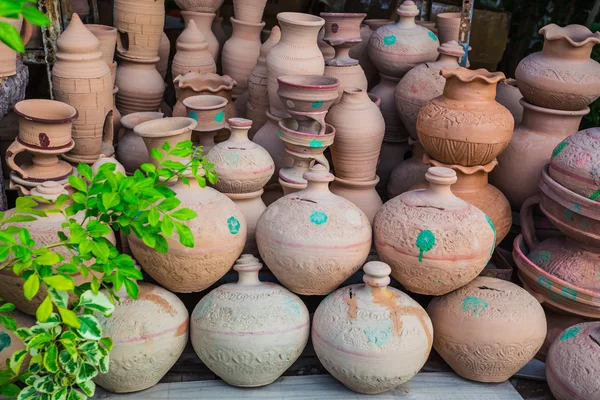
<point>216,102</point>
<point>253,24</point>
<point>101,28</point>
<point>300,19</point>
<point>329,131</point>
<point>578,113</point>
<point>209,81</point>
<point>448,15</point>
<point>302,81</point>
<point>138,60</point>
<point>130,125</point>
<point>561,195</point>
<point>245,196</point>
<point>183,124</point>
<point>357,184</point>
<point>553,32</point>
<point>469,75</point>
<point>342,15</point>
<point>74,113</point>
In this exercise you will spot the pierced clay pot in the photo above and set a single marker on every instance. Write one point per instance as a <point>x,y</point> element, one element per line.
<point>360,332</point>
<point>252,206</point>
<point>409,172</point>
<point>465,125</point>
<point>488,329</point>
<point>140,24</point>
<point>209,112</point>
<point>361,193</point>
<point>562,76</point>
<point>206,6</point>
<point>302,232</point>
<point>192,53</point>
<point>149,335</point>
<point>8,57</point>
<point>249,10</point>
<point>508,94</point>
<point>204,22</point>
<point>131,150</point>
<point>265,329</point>
<point>434,241</point>
<point>448,26</point>
<point>164,52</point>
<point>141,88</point>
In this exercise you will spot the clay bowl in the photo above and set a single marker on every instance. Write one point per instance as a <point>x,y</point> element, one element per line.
<point>342,27</point>
<point>307,93</point>
<point>208,110</point>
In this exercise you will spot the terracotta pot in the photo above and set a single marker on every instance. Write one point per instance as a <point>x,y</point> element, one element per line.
<point>192,53</point>
<point>488,329</point>
<point>359,133</point>
<point>107,160</point>
<point>141,88</point>
<point>510,97</point>
<point>296,53</point>
<point>434,241</point>
<point>540,131</point>
<point>242,165</point>
<point>327,51</point>
<point>350,77</point>
<point>394,128</point>
<point>107,36</point>
<point>209,112</point>
<point>205,6</point>
<point>397,48</point>
<point>164,51</point>
<point>8,57</point>
<point>361,193</point>
<point>448,26</point>
<point>204,22</point>
<point>465,125</point>
<point>300,233</point>
<point>249,10</point>
<point>391,155</point>
<point>116,114</point>
<point>424,83</point>
<point>218,31</point>
<point>342,31</point>
<point>572,364</point>
<point>562,76</point>
<point>267,137</point>
<point>194,84</point>
<point>9,130</point>
<point>240,52</point>
<point>360,52</point>
<point>145,348</point>
<point>258,97</point>
<point>274,332</point>
<point>361,331</point>
<point>82,79</point>
<point>10,342</point>
<point>252,207</point>
<point>556,323</point>
<point>409,172</point>
<point>131,150</point>
<point>140,24</point>
<point>219,231</point>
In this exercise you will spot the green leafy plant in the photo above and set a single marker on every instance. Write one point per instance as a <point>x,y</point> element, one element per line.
<point>13,9</point>
<point>66,345</point>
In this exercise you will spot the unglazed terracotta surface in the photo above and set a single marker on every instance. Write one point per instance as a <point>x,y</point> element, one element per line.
<point>252,206</point>
<point>192,53</point>
<point>448,26</point>
<point>350,77</point>
<point>194,84</point>
<point>508,94</point>
<point>209,112</point>
<point>8,57</point>
<point>360,52</point>
<point>361,193</point>
<point>434,241</point>
<point>249,10</point>
<point>342,32</point>
<point>140,24</point>
<point>141,88</point>
<point>164,52</point>
<point>204,22</point>
<point>313,240</point>
<point>556,323</point>
<point>267,137</point>
<point>394,128</point>
<point>249,332</point>
<point>131,150</point>
<point>149,335</point>
<point>107,36</point>
<point>409,172</point>
<point>207,6</point>
<point>360,332</point>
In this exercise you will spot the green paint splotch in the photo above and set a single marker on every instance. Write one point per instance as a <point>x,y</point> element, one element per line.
<point>489,221</point>
<point>316,143</point>
<point>193,115</point>
<point>379,335</point>
<point>595,195</point>
<point>389,40</point>
<point>220,116</point>
<point>545,282</point>
<point>318,217</point>
<point>432,36</point>
<point>425,242</point>
<point>569,293</point>
<point>541,258</point>
<point>317,104</point>
<point>474,304</point>
<point>291,307</point>
<point>561,146</point>
<point>233,224</point>
<point>570,333</point>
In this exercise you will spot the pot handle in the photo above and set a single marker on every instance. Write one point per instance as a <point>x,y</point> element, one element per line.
<point>527,225</point>
<point>15,148</point>
<point>27,32</point>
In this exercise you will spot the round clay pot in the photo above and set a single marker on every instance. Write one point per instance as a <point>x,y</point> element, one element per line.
<point>556,323</point>
<point>242,165</point>
<point>562,76</point>
<point>300,233</point>
<point>342,32</point>
<point>107,36</point>
<point>209,112</point>
<point>424,83</point>
<point>192,53</point>
<point>508,94</point>
<point>267,137</point>
<point>391,155</point>
<point>252,206</point>
<point>164,51</point>
<point>8,57</point>
<point>361,193</point>
<point>360,128</point>
<point>394,128</point>
<point>140,24</point>
<point>360,332</point>
<point>10,342</point>
<point>204,21</point>
<point>205,6</point>
<point>265,330</point>
<point>249,10</point>
<point>397,48</point>
<point>465,125</point>
<point>488,329</point>
<point>141,88</point>
<point>131,150</point>
<point>448,26</point>
<point>434,241</point>
<point>409,172</point>
<point>572,363</point>
<point>149,334</point>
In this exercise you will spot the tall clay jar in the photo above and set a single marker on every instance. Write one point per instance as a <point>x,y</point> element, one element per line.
<point>240,53</point>
<point>107,35</point>
<point>204,22</point>
<point>141,88</point>
<point>8,57</point>
<point>296,53</point>
<point>131,150</point>
<point>192,53</point>
<point>140,24</point>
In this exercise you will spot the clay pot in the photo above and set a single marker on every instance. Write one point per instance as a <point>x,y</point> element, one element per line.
<point>194,84</point>
<point>300,233</point>
<point>115,110</point>
<point>249,10</point>
<point>434,241</point>
<point>371,72</point>
<point>242,165</point>
<point>219,231</point>
<point>465,125</point>
<point>391,155</point>
<point>342,31</point>
<point>562,76</point>
<point>533,141</point>
<point>217,30</point>
<point>397,48</point>
<point>359,133</point>
<point>204,22</point>
<point>556,323</point>
<point>510,97</point>
<point>8,57</point>
<point>240,52</point>
<point>572,363</point>
<point>488,329</point>
<point>131,150</point>
<point>10,342</point>
<point>327,51</point>
<point>149,334</point>
<point>448,26</point>
<point>350,77</point>
<point>267,137</point>
<point>164,51</point>
<point>252,206</point>
<point>205,6</point>
<point>424,83</point>
<point>141,88</point>
<point>409,172</point>
<point>394,128</point>
<point>192,53</point>
<point>107,36</point>
<point>296,53</point>
<point>140,24</point>
<point>82,79</point>
<point>361,193</point>
<point>258,97</point>
<point>363,330</point>
<point>209,112</point>
<point>273,333</point>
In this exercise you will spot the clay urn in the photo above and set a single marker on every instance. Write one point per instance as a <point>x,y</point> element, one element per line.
<point>242,165</point>
<point>131,150</point>
<point>9,341</point>
<point>107,36</point>
<point>562,76</point>
<point>141,87</point>
<point>252,206</point>
<point>409,172</point>
<point>209,112</point>
<point>572,363</point>
<point>465,125</point>
<point>265,329</point>
<point>434,241</point>
<point>448,26</point>
<point>249,10</point>
<point>508,94</point>
<point>8,57</point>
<point>164,52</point>
<point>360,332</point>
<point>140,24</point>
<point>301,233</point>
<point>556,323</point>
<point>149,334</point>
<point>206,6</point>
<point>424,83</point>
<point>361,193</point>
<point>204,22</point>
<point>192,53</point>
<point>219,231</point>
<point>488,329</point>
<point>532,143</point>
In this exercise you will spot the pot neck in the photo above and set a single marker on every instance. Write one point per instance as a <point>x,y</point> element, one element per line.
<point>562,49</point>
<point>406,22</point>
<point>545,120</point>
<point>354,96</point>
<point>448,61</point>
<point>474,91</point>
<point>298,34</point>
<point>247,267</point>
<point>246,31</point>
<point>238,134</point>
<point>139,65</point>
<point>248,277</point>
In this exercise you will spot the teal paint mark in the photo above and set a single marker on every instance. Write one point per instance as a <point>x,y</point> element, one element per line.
<point>432,36</point>
<point>193,115</point>
<point>231,159</point>
<point>389,40</point>
<point>316,143</point>
<point>569,293</point>
<point>489,221</point>
<point>318,217</point>
<point>379,336</point>
<point>475,304</point>
<point>220,116</point>
<point>561,146</point>
<point>204,306</point>
<point>595,195</point>
<point>4,340</point>
<point>575,208</point>
<point>425,242</point>
<point>278,134</point>
<point>568,214</point>
<point>570,333</point>
<point>234,225</point>
<point>317,104</point>
<point>545,282</point>
<point>291,307</point>
<point>541,258</point>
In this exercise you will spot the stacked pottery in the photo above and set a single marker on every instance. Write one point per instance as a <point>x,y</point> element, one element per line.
<point>203,21</point>
<point>140,24</point>
<point>194,84</point>
<point>192,53</point>
<point>243,168</point>
<point>448,26</point>
<point>141,87</point>
<point>209,112</point>
<point>131,150</point>
<point>327,51</point>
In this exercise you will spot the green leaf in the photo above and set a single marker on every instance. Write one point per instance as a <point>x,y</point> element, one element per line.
<point>48,258</point>
<point>110,200</point>
<point>79,197</point>
<point>96,302</point>
<point>68,269</point>
<point>59,297</point>
<point>88,387</point>
<point>20,218</point>
<point>90,327</point>
<point>169,204</point>
<point>51,358</point>
<point>45,384</point>
<point>184,214</point>
<point>185,234</point>
<point>149,168</point>
<point>44,310</point>
<point>86,372</point>
<point>132,288</point>
<point>27,393</point>
<point>10,390</point>
<point>76,395</point>
<point>78,183</point>
<point>9,322</point>
<point>104,364</point>
<point>85,171</point>
<point>31,286</point>
<point>25,238</point>
<point>98,229</point>
<point>33,15</point>
<point>107,343</point>
<point>24,203</point>
<point>61,394</point>
<point>153,217</point>
<point>16,361</point>
<point>5,340</point>
<point>167,226</point>
<point>39,340</point>
<point>69,317</point>
<point>7,307</point>
<point>60,282</point>
<point>5,376</point>
<point>52,321</point>
<point>7,238</point>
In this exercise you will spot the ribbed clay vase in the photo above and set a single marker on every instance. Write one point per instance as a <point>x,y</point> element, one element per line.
<point>141,88</point>
<point>206,6</point>
<point>409,172</point>
<point>140,24</point>
<point>448,26</point>
<point>249,10</point>
<point>465,125</point>
<point>265,330</point>
<point>360,332</point>
<point>302,232</point>
<point>488,329</point>
<point>204,22</point>
<point>131,149</point>
<point>434,241</point>
<point>562,76</point>
<point>296,53</point>
<point>192,53</point>
<point>219,231</point>
<point>8,57</point>
<point>240,52</point>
